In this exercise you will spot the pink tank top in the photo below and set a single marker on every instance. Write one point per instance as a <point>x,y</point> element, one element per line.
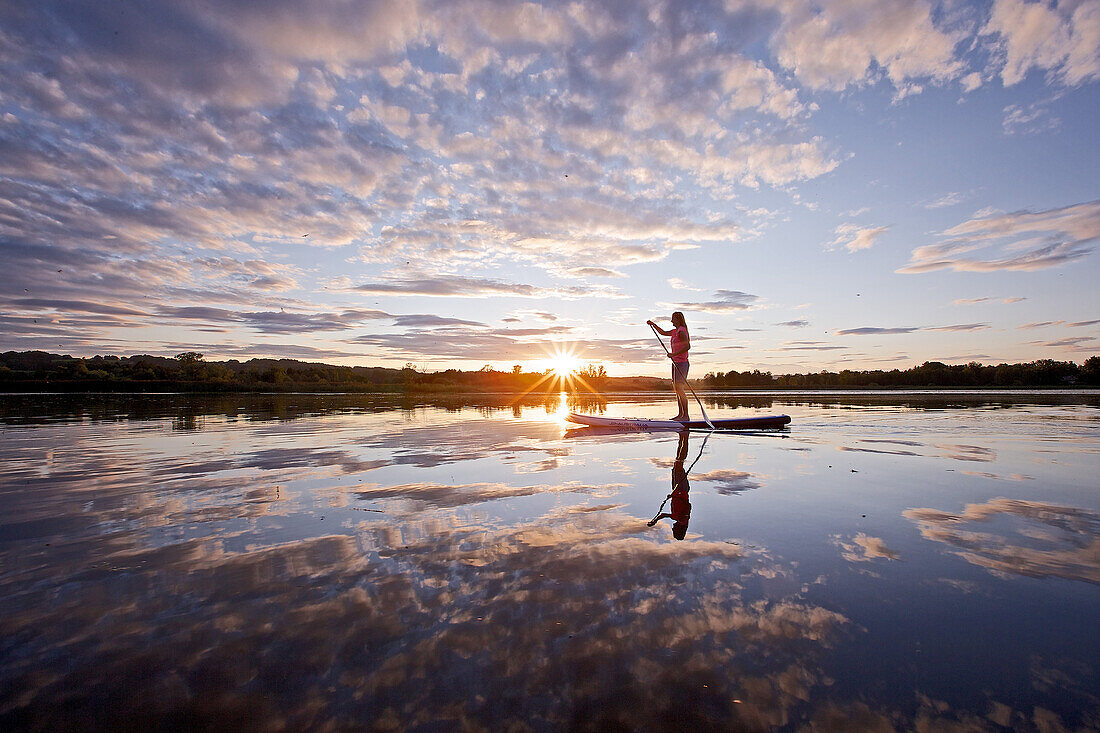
<point>678,338</point>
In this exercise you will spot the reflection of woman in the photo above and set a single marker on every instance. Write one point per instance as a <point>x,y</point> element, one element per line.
<point>680,344</point>
<point>680,510</point>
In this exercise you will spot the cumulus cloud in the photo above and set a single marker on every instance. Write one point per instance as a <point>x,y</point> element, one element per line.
<point>1059,38</point>
<point>855,238</point>
<point>1027,241</point>
<point>831,45</point>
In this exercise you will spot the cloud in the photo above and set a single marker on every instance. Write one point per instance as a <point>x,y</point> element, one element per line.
<point>74,306</point>
<point>948,199</point>
<point>452,495</point>
<point>987,299</point>
<point>800,323</point>
<point>421,320</point>
<point>679,284</point>
<point>1030,120</point>
<point>546,316</point>
<point>809,347</point>
<point>471,287</point>
<point>963,357</point>
<point>506,344</point>
<point>1043,540</point>
<point>875,331</point>
<point>727,481</point>
<point>264,350</point>
<point>1028,241</point>
<point>1061,39</point>
<point>855,238</point>
<point>959,327</point>
<point>582,272</point>
<point>864,548</point>
<point>832,45</point>
<point>1072,342</point>
<point>178,155</point>
<point>725,301</point>
<point>281,322</point>
<point>1077,324</point>
<point>970,82</point>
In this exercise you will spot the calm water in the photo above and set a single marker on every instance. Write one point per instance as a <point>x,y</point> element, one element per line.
<point>270,562</point>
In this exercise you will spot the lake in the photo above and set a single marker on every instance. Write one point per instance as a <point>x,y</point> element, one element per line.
<point>888,561</point>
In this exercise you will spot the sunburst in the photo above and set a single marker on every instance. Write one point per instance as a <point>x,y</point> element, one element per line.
<point>563,372</point>
<point>565,364</point>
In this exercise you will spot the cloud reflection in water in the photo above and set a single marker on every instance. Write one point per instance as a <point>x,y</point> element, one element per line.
<point>1043,540</point>
<point>360,568</point>
<point>580,618</point>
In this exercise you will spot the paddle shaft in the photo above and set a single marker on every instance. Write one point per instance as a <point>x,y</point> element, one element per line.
<point>686,382</point>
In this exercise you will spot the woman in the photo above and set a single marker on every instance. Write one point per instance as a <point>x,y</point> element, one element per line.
<point>680,344</point>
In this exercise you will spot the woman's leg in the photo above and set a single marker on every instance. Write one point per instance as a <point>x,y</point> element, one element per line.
<point>679,379</point>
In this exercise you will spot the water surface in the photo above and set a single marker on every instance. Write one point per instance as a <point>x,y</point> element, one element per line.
<point>889,561</point>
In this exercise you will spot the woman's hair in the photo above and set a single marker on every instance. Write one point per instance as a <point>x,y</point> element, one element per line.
<point>678,319</point>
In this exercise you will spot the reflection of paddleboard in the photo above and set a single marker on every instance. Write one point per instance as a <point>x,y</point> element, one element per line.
<point>640,423</point>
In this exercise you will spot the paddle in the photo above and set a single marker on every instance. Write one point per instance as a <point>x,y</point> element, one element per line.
<point>669,354</point>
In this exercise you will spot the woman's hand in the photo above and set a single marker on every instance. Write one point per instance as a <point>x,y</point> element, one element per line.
<point>650,323</point>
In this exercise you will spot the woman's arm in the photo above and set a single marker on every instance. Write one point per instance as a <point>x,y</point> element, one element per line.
<point>660,330</point>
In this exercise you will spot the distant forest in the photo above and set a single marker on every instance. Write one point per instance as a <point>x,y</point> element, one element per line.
<point>189,371</point>
<point>1041,373</point>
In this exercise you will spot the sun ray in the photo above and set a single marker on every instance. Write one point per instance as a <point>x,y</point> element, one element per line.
<point>563,374</point>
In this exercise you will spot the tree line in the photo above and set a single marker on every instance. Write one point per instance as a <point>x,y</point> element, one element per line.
<point>189,371</point>
<point>1041,373</point>
<point>39,370</point>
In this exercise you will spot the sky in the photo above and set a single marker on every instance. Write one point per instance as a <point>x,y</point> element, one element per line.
<point>816,184</point>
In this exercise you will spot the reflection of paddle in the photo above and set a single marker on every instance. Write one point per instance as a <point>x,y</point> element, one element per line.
<point>704,445</point>
<point>657,516</point>
<point>669,354</point>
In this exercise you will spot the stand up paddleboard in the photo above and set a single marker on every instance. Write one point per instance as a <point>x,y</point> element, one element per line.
<point>639,423</point>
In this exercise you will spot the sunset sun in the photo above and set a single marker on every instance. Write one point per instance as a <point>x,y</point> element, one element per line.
<point>565,364</point>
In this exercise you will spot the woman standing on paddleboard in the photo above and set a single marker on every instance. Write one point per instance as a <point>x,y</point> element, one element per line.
<point>678,352</point>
